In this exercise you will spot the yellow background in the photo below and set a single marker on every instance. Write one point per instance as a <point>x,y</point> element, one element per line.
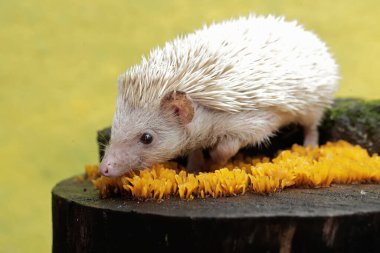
<point>59,61</point>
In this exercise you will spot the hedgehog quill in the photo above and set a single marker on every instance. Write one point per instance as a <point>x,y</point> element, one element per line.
<point>221,88</point>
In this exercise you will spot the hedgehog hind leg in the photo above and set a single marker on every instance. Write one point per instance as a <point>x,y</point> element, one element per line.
<point>311,136</point>
<point>310,124</point>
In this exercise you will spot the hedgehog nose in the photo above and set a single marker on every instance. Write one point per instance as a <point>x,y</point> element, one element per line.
<point>104,168</point>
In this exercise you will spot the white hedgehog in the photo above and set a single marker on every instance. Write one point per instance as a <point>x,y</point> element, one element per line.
<point>223,87</point>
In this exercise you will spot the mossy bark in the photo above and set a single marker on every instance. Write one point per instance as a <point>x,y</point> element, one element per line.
<point>354,120</point>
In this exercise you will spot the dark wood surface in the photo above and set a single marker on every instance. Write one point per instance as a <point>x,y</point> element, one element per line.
<point>342,218</point>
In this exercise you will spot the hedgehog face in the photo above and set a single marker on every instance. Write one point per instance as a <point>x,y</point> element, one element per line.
<point>142,137</point>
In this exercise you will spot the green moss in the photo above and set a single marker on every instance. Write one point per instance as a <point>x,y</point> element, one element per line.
<point>355,110</point>
<point>354,120</point>
<point>339,106</point>
<point>373,109</point>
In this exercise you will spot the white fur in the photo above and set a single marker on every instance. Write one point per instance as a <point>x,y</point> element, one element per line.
<point>246,78</point>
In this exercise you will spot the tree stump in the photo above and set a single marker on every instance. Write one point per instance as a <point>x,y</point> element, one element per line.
<point>342,218</point>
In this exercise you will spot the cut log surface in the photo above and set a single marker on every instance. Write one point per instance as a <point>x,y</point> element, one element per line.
<point>342,218</point>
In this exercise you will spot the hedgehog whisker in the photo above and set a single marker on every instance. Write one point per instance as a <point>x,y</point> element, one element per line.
<point>102,144</point>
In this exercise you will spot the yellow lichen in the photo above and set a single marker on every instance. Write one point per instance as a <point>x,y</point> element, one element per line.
<point>340,163</point>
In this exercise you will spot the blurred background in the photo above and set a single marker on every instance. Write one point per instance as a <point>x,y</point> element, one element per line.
<point>59,62</point>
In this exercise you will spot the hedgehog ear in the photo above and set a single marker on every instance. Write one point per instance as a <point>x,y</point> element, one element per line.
<point>180,105</point>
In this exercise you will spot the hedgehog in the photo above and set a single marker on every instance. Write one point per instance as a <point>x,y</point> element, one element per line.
<point>225,86</point>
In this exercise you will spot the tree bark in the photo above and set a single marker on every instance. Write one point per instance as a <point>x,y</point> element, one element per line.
<point>336,219</point>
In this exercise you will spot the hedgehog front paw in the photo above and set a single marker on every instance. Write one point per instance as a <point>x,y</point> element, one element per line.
<point>224,150</point>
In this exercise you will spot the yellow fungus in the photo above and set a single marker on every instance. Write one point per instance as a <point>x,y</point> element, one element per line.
<point>339,163</point>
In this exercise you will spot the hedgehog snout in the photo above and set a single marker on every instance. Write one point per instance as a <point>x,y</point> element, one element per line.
<point>113,165</point>
<point>104,168</point>
<point>119,159</point>
<point>109,169</point>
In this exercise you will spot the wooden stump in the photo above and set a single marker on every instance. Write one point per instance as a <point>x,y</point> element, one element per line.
<point>343,218</point>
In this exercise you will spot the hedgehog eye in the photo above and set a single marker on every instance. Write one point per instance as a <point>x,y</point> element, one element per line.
<point>146,138</point>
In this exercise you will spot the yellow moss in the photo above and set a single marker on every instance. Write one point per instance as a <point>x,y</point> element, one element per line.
<point>340,163</point>
<point>91,171</point>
